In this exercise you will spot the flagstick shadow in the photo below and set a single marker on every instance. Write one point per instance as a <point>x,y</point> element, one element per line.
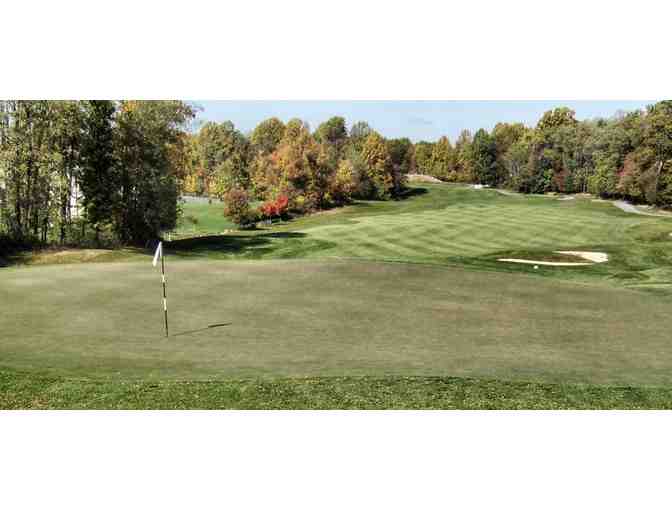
<point>211,326</point>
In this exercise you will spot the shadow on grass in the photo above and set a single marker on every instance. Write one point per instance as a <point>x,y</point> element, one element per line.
<point>229,243</point>
<point>210,326</point>
<point>280,244</point>
<point>411,192</point>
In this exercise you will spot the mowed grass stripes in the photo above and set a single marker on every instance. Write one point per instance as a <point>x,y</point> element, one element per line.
<point>472,231</point>
<point>456,225</point>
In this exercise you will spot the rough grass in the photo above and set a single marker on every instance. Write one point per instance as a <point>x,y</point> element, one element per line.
<point>22,391</point>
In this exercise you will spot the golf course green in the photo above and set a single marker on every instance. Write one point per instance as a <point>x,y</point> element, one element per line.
<point>383,290</point>
<point>307,319</point>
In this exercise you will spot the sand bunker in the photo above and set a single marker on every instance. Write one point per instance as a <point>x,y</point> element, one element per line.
<point>544,263</point>
<point>566,198</point>
<point>595,257</point>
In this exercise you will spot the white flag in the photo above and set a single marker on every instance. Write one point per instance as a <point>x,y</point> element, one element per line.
<point>158,253</point>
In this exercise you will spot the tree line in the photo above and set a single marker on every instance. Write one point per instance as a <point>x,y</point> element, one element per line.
<point>627,156</point>
<point>291,169</point>
<point>102,172</point>
<point>80,172</point>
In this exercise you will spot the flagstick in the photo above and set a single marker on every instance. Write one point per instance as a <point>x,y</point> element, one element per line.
<point>165,304</point>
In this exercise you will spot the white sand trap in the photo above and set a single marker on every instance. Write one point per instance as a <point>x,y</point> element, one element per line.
<point>544,263</point>
<point>566,198</point>
<point>595,257</point>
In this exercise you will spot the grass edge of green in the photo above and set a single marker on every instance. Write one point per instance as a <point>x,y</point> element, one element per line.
<point>25,391</point>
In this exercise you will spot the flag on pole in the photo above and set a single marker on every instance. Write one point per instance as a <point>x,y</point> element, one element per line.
<point>158,253</point>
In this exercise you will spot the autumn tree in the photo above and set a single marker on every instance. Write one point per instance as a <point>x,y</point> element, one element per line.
<point>380,171</point>
<point>443,160</point>
<point>267,135</point>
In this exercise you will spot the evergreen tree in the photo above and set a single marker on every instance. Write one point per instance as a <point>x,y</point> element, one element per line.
<point>98,177</point>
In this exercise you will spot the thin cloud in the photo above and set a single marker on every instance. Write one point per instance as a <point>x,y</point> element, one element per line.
<point>420,121</point>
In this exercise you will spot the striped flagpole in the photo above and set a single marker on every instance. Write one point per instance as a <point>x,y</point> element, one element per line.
<point>165,303</point>
<point>157,254</point>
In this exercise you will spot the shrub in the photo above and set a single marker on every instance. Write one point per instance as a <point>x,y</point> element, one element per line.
<point>275,208</point>
<point>237,207</point>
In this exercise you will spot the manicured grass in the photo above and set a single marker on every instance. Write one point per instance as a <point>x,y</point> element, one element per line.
<point>199,218</point>
<point>384,305</point>
<point>21,391</point>
<point>328,318</point>
<point>458,226</point>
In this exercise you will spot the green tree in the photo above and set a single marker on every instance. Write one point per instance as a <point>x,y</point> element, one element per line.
<point>657,141</point>
<point>221,157</point>
<point>423,157</point>
<point>267,135</point>
<point>30,165</point>
<point>98,176</point>
<point>402,155</point>
<point>146,135</point>
<point>484,156</point>
<point>505,136</point>
<point>555,118</point>
<point>332,131</point>
<point>463,157</point>
<point>359,133</point>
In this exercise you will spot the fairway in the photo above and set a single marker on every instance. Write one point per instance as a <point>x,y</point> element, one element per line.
<point>328,318</point>
<point>458,226</point>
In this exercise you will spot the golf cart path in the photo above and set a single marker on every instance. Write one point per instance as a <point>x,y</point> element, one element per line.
<point>628,207</point>
<point>621,204</point>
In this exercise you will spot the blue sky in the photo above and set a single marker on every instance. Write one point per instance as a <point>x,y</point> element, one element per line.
<point>417,120</point>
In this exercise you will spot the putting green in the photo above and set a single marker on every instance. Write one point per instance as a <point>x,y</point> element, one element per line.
<point>307,318</point>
